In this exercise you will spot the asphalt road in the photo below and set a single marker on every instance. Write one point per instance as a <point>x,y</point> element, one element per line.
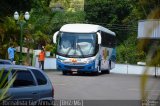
<point>103,87</point>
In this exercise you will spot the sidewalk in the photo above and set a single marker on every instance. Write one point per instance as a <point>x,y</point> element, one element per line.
<point>134,69</point>
<point>129,69</point>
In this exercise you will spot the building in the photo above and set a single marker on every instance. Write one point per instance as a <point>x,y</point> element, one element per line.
<point>149,29</point>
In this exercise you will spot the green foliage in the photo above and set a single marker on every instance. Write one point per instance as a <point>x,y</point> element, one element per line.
<point>8,7</point>
<point>121,16</point>
<point>64,3</point>
<point>107,11</point>
<point>51,22</point>
<point>68,17</point>
<point>128,51</point>
<point>112,14</point>
<point>8,34</point>
<point>151,10</point>
<point>41,38</point>
<point>39,29</point>
<point>51,48</point>
<point>48,47</point>
<point>5,85</point>
<point>54,50</point>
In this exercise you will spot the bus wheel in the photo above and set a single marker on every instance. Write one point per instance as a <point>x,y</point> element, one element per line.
<point>79,73</point>
<point>70,72</point>
<point>108,71</point>
<point>64,72</point>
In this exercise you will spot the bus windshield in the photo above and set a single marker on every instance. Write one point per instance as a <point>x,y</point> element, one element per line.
<point>76,44</point>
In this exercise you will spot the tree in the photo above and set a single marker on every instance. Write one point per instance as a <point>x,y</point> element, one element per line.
<point>52,21</point>
<point>8,7</point>
<point>120,16</point>
<point>151,8</point>
<point>8,34</point>
<point>129,51</point>
<point>64,3</point>
<point>110,14</point>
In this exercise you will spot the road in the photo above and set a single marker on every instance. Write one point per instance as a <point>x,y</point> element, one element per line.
<point>103,87</point>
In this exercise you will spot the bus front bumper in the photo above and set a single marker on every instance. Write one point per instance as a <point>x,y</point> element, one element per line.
<point>90,67</point>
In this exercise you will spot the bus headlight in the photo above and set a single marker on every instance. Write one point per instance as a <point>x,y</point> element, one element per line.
<point>90,60</point>
<point>60,60</point>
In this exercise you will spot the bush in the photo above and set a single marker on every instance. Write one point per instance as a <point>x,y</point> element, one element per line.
<point>48,47</point>
<point>129,52</point>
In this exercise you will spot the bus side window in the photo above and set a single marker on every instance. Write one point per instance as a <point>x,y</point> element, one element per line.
<point>108,40</point>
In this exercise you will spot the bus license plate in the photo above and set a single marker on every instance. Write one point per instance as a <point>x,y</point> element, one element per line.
<point>74,69</point>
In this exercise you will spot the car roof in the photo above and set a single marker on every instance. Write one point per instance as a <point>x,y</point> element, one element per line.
<point>5,61</point>
<point>2,66</point>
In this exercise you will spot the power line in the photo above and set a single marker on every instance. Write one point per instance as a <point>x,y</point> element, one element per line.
<point>115,26</point>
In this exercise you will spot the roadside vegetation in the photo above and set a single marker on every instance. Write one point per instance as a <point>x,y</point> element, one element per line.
<point>120,16</point>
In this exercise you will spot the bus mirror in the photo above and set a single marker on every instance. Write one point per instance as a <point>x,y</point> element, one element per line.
<point>99,38</point>
<point>55,37</point>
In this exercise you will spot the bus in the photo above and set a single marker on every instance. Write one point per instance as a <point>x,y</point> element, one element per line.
<point>85,48</point>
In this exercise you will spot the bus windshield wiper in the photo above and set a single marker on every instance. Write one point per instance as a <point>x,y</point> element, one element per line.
<point>80,50</point>
<point>68,51</point>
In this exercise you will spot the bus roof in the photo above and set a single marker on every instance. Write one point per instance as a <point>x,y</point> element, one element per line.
<point>84,28</point>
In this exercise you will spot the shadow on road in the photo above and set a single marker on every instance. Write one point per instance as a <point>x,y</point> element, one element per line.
<point>83,74</point>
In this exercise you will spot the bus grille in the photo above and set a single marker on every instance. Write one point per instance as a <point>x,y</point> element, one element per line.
<point>74,67</point>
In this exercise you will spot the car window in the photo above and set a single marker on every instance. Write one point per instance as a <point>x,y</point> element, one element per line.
<point>2,80</point>
<point>23,78</point>
<point>41,79</point>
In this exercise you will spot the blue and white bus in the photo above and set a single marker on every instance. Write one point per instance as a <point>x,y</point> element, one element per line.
<point>85,48</point>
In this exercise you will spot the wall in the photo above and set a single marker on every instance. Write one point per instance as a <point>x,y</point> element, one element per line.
<point>49,63</point>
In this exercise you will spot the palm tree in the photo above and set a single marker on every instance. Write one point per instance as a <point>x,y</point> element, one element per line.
<point>5,85</point>
<point>152,11</point>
